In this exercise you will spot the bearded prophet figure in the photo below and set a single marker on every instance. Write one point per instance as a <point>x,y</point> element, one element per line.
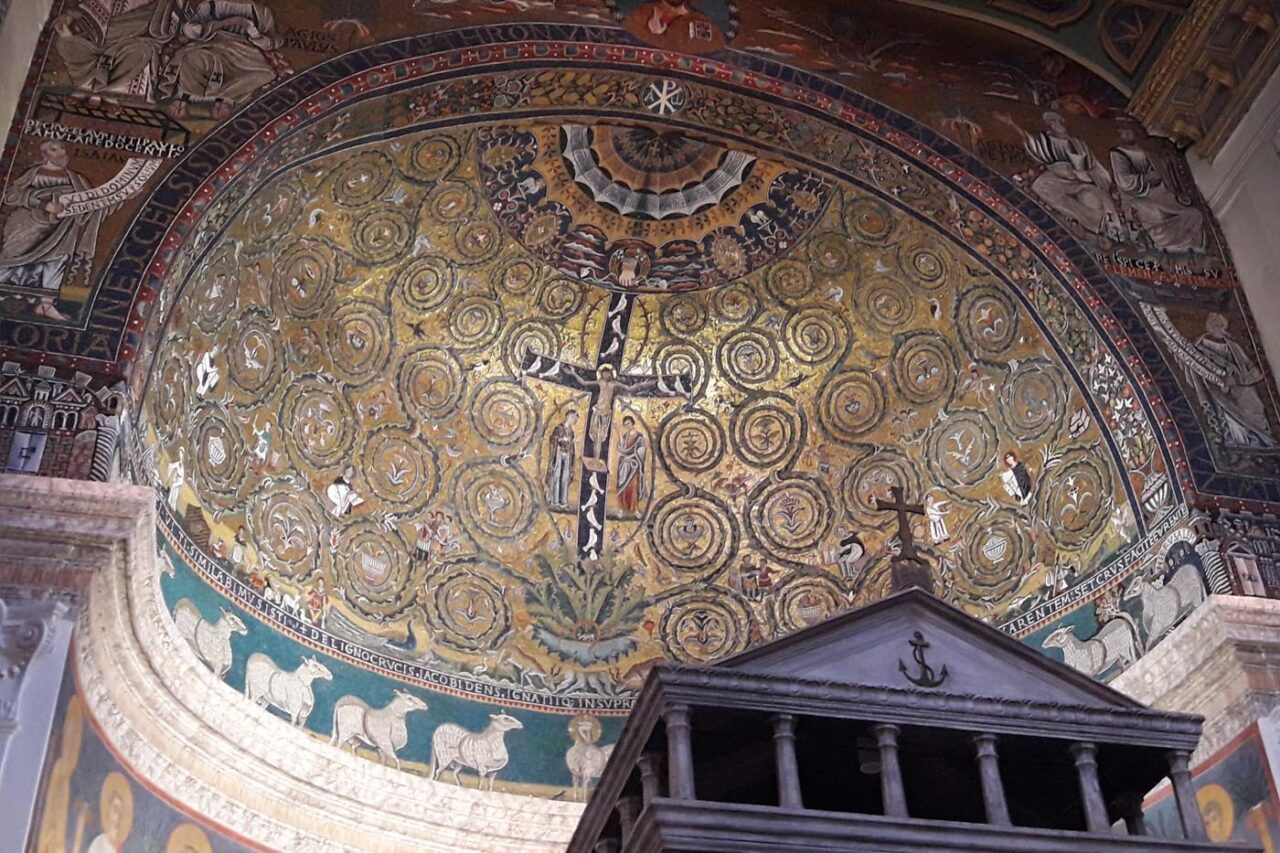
<point>1073,184</point>
<point>1171,225</point>
<point>43,247</point>
<point>632,452</point>
<point>1230,386</point>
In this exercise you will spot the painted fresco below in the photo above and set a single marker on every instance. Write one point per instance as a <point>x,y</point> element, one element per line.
<point>89,802</point>
<point>1236,794</point>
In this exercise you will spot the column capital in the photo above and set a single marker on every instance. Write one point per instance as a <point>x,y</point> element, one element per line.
<point>680,784</point>
<point>892,792</point>
<point>886,733</point>
<point>676,714</point>
<point>993,798</point>
<point>985,744</point>
<point>1084,752</point>
<point>1185,796</point>
<point>26,632</point>
<point>788,769</point>
<point>1179,760</point>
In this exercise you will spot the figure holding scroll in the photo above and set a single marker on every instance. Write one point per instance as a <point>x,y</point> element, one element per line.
<point>41,248</point>
<point>51,230</point>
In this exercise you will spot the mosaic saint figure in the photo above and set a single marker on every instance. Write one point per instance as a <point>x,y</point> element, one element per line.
<point>228,50</point>
<point>1016,479</point>
<point>1172,225</point>
<point>317,600</point>
<point>632,454</point>
<point>1073,185</point>
<point>113,50</point>
<point>177,477</point>
<point>560,471</point>
<point>44,246</point>
<point>1229,385</point>
<point>239,550</point>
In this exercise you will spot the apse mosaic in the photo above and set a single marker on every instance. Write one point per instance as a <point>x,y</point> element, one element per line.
<point>508,410</point>
<point>484,353</point>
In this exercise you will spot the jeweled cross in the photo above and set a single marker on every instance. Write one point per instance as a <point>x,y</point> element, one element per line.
<point>603,384</point>
<point>904,510</point>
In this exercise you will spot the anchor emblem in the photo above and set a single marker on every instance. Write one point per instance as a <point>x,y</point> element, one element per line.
<point>926,676</point>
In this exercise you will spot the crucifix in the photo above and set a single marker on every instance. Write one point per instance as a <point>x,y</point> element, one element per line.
<point>603,383</point>
<point>908,552</point>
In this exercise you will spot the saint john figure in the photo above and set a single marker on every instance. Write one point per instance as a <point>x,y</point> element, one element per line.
<point>632,452</point>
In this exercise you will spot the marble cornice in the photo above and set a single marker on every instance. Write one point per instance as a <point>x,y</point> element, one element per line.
<point>710,687</point>
<point>55,533</point>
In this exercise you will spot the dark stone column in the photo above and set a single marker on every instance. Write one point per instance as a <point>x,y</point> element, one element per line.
<point>679,753</point>
<point>784,747</point>
<point>1185,795</point>
<point>1095,810</point>
<point>992,784</point>
<point>650,778</point>
<point>1130,808</point>
<point>607,845</point>
<point>891,789</point>
<point>628,811</point>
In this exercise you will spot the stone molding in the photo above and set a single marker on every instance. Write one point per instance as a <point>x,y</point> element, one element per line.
<point>198,742</point>
<point>669,824</point>
<point>707,686</point>
<point>26,629</point>
<point>1223,662</point>
<point>1205,79</point>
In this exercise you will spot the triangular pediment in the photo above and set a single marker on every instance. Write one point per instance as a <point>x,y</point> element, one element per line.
<point>69,394</point>
<point>872,645</point>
